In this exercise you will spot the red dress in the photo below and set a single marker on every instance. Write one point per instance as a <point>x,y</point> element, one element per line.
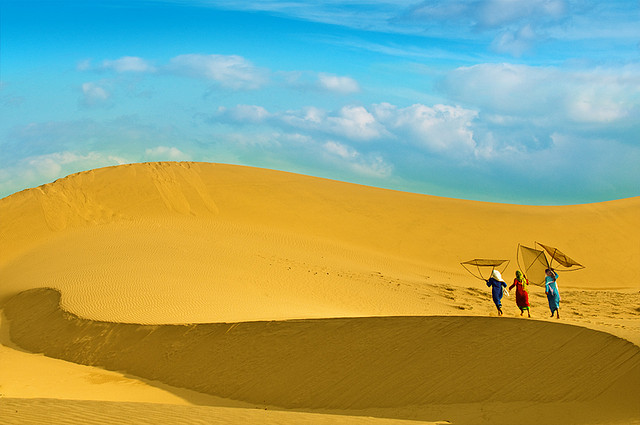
<point>522,293</point>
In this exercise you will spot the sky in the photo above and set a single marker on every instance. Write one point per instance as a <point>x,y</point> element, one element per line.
<point>531,102</point>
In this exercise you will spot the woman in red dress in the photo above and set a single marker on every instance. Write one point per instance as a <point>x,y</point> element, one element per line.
<point>522,292</point>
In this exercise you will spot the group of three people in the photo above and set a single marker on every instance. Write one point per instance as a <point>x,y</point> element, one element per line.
<point>498,288</point>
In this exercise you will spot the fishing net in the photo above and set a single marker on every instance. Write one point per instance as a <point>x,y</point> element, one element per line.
<point>560,257</point>
<point>481,267</point>
<point>533,264</point>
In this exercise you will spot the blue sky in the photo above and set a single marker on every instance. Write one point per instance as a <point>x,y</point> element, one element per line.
<point>530,102</point>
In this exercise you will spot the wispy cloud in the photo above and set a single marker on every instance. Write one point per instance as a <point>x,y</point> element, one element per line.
<point>515,42</point>
<point>441,129</point>
<point>125,64</point>
<point>438,128</point>
<point>508,26</point>
<point>318,82</point>
<point>354,123</point>
<point>229,71</point>
<point>128,64</point>
<point>94,94</point>
<point>165,153</point>
<point>243,113</point>
<point>501,13</point>
<point>340,150</point>
<point>334,12</point>
<point>368,165</point>
<point>338,84</point>
<point>594,96</point>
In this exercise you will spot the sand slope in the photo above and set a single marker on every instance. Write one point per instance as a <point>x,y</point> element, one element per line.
<point>145,259</point>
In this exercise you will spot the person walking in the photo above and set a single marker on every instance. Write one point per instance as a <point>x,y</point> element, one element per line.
<point>522,292</point>
<point>498,288</point>
<point>551,289</point>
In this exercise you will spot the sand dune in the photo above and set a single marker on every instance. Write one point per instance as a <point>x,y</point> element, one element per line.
<point>311,295</point>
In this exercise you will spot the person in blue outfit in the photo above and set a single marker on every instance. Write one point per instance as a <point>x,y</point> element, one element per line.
<point>551,289</point>
<point>498,289</point>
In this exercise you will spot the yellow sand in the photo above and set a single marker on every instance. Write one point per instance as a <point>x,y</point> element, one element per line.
<point>131,252</point>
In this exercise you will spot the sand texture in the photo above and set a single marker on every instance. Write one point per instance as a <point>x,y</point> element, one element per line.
<point>210,293</point>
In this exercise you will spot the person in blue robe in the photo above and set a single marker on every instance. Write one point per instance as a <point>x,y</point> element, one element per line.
<point>551,289</point>
<point>498,289</point>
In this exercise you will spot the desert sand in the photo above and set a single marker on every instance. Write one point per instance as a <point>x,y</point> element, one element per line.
<point>210,293</point>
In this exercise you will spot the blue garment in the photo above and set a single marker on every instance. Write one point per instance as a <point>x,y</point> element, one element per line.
<point>551,288</point>
<point>497,290</point>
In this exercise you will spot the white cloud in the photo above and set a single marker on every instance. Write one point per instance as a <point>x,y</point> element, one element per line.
<point>596,96</point>
<point>501,87</point>
<point>603,96</point>
<point>488,14</point>
<point>338,84</point>
<point>340,150</point>
<point>372,165</point>
<point>229,71</point>
<point>128,64</point>
<point>441,128</point>
<point>307,118</point>
<point>317,81</point>
<point>514,25</point>
<point>515,42</point>
<point>590,107</point>
<point>356,13</point>
<point>166,153</point>
<point>355,122</point>
<point>244,113</point>
<point>94,94</point>
<point>121,65</point>
<point>352,122</point>
<point>497,13</point>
